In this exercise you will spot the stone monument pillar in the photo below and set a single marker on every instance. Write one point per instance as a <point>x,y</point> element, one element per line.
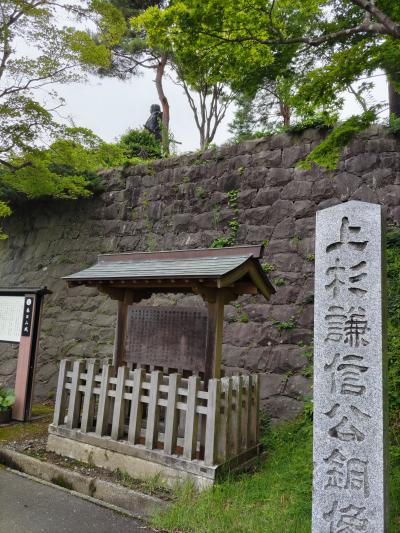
<point>349,487</point>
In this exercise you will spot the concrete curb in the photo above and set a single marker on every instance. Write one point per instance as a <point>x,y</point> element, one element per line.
<point>117,497</point>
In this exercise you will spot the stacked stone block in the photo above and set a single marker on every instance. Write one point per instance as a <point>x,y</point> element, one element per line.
<point>182,202</point>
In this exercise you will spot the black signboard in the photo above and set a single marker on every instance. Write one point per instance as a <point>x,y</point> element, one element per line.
<point>170,336</point>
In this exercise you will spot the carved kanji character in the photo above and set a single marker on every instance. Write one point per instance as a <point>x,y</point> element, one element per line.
<point>348,373</point>
<point>346,430</point>
<point>347,237</point>
<point>346,473</point>
<point>350,519</point>
<point>351,326</point>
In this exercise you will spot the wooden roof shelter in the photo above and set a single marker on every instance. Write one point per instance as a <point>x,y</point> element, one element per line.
<point>219,276</point>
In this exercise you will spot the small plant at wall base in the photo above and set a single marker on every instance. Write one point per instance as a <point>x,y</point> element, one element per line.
<point>7,400</point>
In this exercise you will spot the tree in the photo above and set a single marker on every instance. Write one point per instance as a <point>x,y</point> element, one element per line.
<point>333,43</point>
<point>52,54</point>
<point>199,74</point>
<point>131,54</point>
<point>59,52</point>
<point>66,169</point>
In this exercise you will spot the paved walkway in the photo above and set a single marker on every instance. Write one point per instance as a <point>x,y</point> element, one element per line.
<point>27,506</point>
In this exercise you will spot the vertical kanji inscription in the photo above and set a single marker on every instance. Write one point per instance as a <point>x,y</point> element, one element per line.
<point>349,367</point>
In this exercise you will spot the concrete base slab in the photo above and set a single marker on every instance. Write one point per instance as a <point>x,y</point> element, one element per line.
<point>136,503</point>
<point>133,466</point>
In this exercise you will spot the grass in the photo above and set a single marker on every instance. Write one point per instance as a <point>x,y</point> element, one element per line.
<point>30,430</point>
<point>276,498</point>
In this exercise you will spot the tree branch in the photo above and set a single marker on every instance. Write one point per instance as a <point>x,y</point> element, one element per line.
<point>369,6</point>
<point>14,168</point>
<point>376,28</point>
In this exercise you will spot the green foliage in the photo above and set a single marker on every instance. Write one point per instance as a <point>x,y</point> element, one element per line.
<point>244,318</point>
<point>275,497</point>
<point>327,153</point>
<point>315,120</point>
<point>140,144</point>
<point>68,169</point>
<point>282,326</point>
<point>61,56</point>
<point>394,124</point>
<point>29,167</point>
<point>7,398</point>
<point>267,267</point>
<point>200,193</point>
<point>233,224</point>
<point>305,54</point>
<point>393,266</point>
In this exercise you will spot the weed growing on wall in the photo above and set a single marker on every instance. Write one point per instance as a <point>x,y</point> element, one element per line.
<point>233,224</point>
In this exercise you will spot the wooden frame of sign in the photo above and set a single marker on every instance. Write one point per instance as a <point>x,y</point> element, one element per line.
<point>20,314</point>
<point>132,277</point>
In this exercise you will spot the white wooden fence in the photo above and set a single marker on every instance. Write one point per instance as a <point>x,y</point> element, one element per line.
<point>158,411</point>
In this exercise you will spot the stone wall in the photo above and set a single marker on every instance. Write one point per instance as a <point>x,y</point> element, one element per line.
<point>183,203</point>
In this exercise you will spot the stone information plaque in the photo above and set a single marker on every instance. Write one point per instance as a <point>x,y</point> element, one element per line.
<point>173,337</point>
<point>11,316</point>
<point>349,371</point>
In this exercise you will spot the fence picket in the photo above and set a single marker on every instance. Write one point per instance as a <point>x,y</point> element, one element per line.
<point>153,410</point>
<point>246,404</point>
<point>212,424</point>
<point>135,417</point>
<point>89,398</point>
<point>104,400</point>
<point>191,424</point>
<point>224,429</point>
<point>171,416</point>
<point>61,397</point>
<point>236,414</point>
<point>254,418</point>
<point>74,396</point>
<point>117,430</point>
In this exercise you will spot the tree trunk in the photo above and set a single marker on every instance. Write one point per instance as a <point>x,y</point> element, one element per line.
<point>164,104</point>
<point>285,112</point>
<point>394,100</point>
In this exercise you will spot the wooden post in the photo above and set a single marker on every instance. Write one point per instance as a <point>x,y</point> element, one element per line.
<point>27,359</point>
<point>120,332</point>
<point>214,336</point>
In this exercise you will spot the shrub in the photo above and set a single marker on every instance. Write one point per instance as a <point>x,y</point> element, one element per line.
<point>140,143</point>
<point>7,398</point>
